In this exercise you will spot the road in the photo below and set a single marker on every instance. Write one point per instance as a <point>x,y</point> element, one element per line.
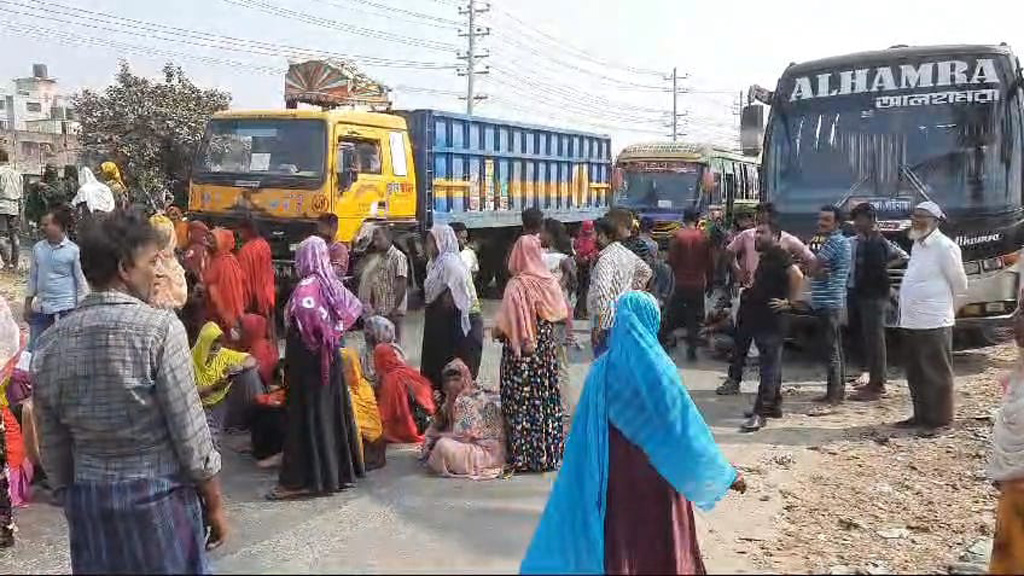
<point>400,519</point>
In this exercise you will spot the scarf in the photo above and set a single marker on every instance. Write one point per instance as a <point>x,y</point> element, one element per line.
<point>1007,461</point>
<point>225,283</point>
<point>586,241</point>
<point>636,387</point>
<point>448,271</point>
<point>532,292</point>
<point>257,266</point>
<point>197,253</point>
<point>95,194</point>
<point>401,385</point>
<point>320,307</point>
<point>377,330</point>
<point>169,288</point>
<point>210,368</point>
<point>256,343</point>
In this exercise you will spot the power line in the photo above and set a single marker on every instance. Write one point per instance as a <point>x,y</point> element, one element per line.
<point>394,13</point>
<point>101,21</point>
<point>307,18</point>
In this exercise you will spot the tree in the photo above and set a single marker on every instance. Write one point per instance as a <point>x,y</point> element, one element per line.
<point>151,129</point>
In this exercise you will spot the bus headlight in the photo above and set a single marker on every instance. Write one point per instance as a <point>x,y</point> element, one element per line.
<point>990,264</point>
<point>971,268</point>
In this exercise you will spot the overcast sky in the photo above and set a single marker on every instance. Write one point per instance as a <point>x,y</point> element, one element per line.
<point>585,64</point>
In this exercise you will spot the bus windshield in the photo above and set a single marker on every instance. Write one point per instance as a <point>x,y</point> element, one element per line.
<point>963,152</point>
<point>675,188</point>
<point>270,151</point>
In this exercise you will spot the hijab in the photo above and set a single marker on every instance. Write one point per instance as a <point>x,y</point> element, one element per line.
<point>320,307</point>
<point>225,283</point>
<point>211,369</point>
<point>377,330</point>
<point>256,342</point>
<point>95,194</point>
<point>637,388</point>
<point>111,173</point>
<point>169,288</point>
<point>338,253</point>
<point>532,292</point>
<point>391,367</point>
<point>197,253</point>
<point>257,265</point>
<point>448,271</point>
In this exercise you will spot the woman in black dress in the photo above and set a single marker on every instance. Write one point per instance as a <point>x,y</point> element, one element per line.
<point>322,447</point>
<point>452,325</point>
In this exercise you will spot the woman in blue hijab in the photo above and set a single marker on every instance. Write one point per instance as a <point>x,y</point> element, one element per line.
<point>638,454</point>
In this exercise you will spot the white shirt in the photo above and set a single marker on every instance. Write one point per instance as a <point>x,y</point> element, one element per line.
<point>469,259</point>
<point>10,191</point>
<point>935,277</point>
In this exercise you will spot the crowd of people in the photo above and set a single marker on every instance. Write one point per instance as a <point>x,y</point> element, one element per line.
<point>152,340</point>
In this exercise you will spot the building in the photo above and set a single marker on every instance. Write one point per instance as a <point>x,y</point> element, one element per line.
<point>37,125</point>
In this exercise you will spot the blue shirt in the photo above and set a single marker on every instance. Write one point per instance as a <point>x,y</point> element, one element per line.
<point>55,276</point>
<point>829,291</point>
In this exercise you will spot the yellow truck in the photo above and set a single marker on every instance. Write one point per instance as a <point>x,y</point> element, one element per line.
<point>410,169</point>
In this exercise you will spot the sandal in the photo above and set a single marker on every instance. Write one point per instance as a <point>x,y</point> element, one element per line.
<point>280,494</point>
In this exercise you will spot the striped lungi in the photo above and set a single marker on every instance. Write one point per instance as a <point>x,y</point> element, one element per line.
<point>143,526</point>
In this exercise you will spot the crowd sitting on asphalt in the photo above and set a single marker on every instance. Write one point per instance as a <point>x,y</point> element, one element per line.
<point>152,340</point>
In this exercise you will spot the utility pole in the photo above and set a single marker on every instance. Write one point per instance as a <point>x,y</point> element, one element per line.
<point>472,56</point>
<point>676,91</point>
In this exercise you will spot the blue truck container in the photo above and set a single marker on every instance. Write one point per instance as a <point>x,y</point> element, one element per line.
<point>484,172</point>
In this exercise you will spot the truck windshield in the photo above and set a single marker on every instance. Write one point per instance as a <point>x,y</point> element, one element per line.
<point>271,151</point>
<point>676,187</point>
<point>956,147</point>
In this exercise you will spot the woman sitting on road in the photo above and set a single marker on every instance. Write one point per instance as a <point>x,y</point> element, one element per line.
<point>639,453</point>
<point>227,380</point>
<point>467,436</point>
<point>256,342</point>
<point>364,405</point>
<point>377,330</point>
<point>404,396</point>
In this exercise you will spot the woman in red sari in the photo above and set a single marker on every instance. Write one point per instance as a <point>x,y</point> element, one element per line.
<point>404,397</point>
<point>224,283</point>
<point>258,271</point>
<point>256,341</point>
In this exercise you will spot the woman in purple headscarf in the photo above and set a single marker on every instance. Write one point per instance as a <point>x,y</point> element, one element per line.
<point>322,450</point>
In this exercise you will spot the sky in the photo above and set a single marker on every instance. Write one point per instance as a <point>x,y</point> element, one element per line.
<point>592,65</point>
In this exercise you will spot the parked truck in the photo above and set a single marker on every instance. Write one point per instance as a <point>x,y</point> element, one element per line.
<point>284,168</point>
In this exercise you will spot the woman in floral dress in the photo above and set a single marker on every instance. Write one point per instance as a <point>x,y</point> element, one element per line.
<point>530,397</point>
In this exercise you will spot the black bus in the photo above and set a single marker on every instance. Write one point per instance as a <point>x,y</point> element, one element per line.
<point>900,126</point>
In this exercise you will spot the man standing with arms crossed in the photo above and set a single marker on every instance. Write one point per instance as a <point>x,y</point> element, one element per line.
<point>828,299</point>
<point>935,277</point>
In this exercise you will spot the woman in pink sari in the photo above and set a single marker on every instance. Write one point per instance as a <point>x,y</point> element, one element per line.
<point>467,436</point>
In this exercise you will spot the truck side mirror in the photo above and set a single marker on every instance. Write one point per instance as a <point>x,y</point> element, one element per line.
<point>347,171</point>
<point>752,129</point>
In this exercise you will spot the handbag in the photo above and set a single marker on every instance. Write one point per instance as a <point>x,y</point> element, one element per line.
<point>420,415</point>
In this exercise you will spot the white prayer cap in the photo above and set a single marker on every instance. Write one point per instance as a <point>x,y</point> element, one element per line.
<point>931,208</point>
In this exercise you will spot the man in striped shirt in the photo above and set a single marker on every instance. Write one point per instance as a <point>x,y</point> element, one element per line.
<point>828,298</point>
<point>617,271</point>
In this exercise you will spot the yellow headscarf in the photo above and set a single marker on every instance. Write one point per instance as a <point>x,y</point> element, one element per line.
<point>169,289</point>
<point>363,400</point>
<point>212,369</point>
<point>110,171</point>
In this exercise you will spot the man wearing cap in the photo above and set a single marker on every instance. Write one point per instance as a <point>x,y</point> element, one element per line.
<point>934,278</point>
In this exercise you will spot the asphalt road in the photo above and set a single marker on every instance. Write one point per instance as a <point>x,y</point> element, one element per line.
<point>401,519</point>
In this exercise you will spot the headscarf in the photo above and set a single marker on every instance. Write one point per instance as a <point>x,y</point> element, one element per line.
<point>111,173</point>
<point>586,241</point>
<point>320,307</point>
<point>169,288</point>
<point>257,265</point>
<point>95,194</point>
<point>448,271</point>
<point>338,253</point>
<point>377,330</point>
<point>197,253</point>
<point>637,388</point>
<point>399,383</point>
<point>225,283</point>
<point>256,342</point>
<point>532,292</point>
<point>211,370</point>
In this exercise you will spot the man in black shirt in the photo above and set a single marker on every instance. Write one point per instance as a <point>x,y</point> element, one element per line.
<point>777,282</point>
<point>873,255</point>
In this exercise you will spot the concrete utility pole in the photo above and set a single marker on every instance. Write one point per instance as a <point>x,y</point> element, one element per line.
<point>675,77</point>
<point>471,56</point>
